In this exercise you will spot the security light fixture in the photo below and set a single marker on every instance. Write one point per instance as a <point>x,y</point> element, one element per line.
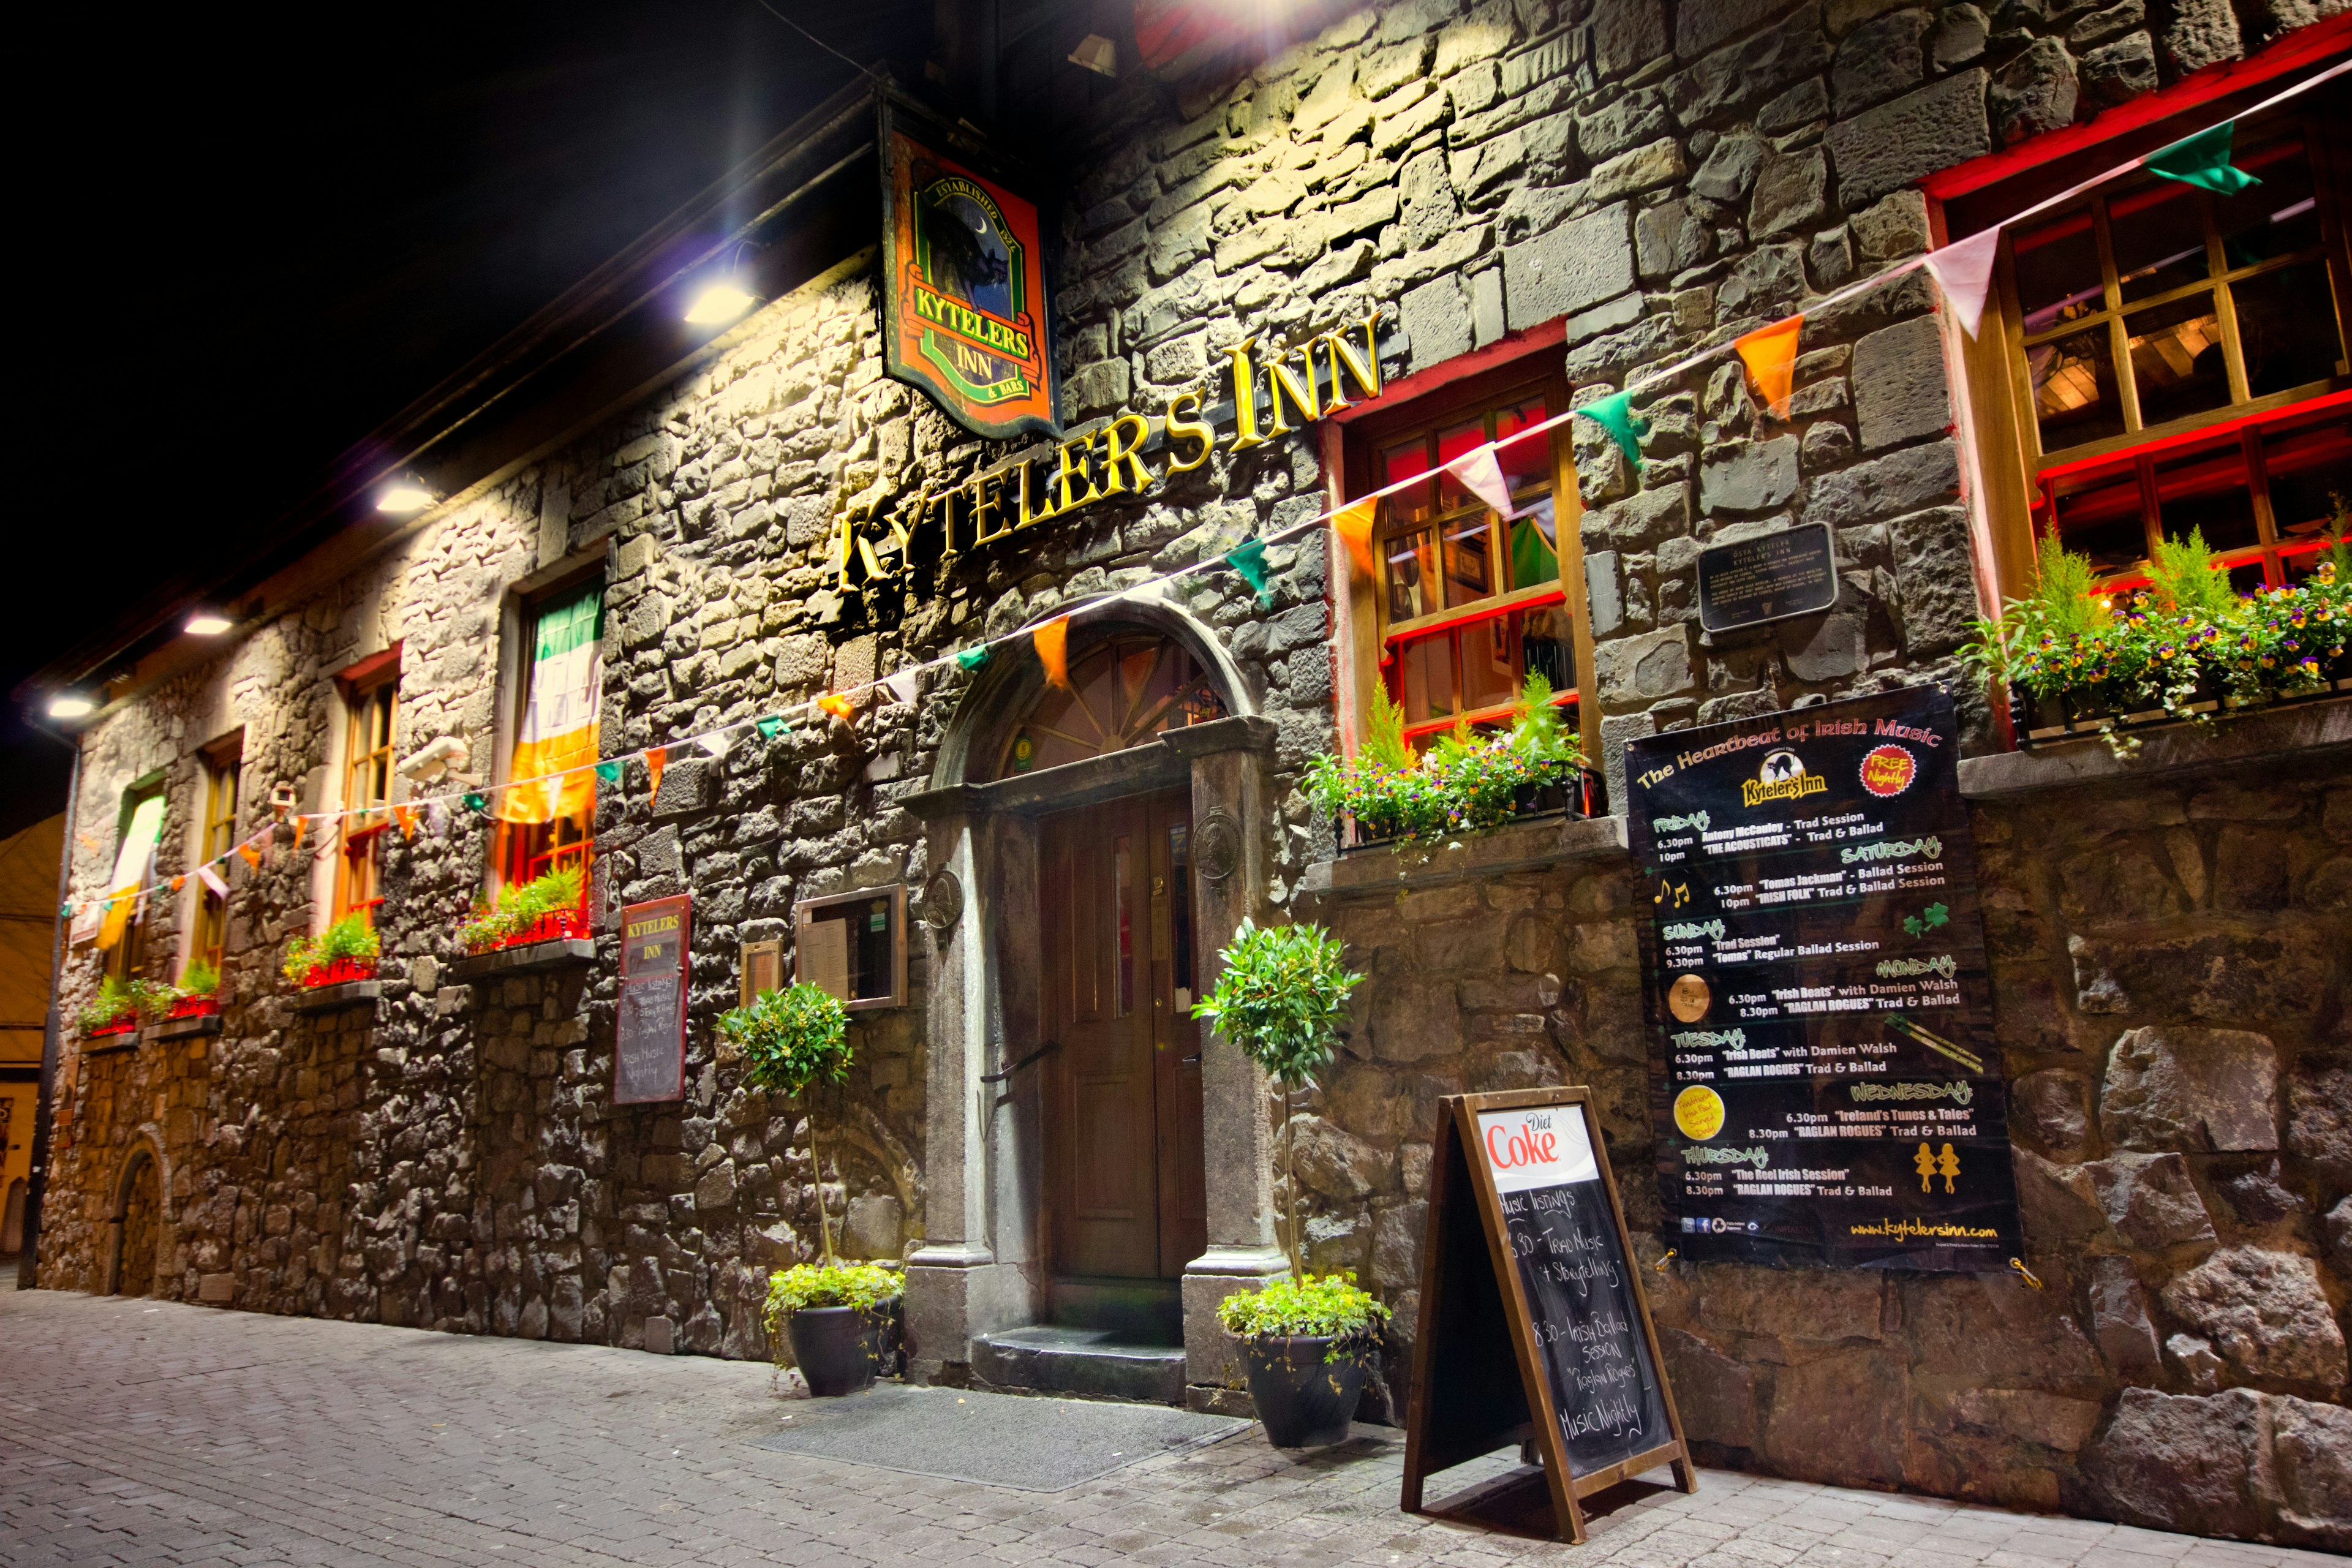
<point>404,497</point>
<point>71,707</point>
<point>1097,54</point>
<point>205,624</point>
<point>718,302</point>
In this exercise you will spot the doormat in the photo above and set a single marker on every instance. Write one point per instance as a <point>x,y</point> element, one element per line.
<point>1034,1445</point>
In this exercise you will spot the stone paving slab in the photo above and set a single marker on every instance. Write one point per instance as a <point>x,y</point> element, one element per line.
<point>147,1433</point>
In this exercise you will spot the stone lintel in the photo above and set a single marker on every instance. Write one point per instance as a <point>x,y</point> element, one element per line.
<point>1139,769</point>
<point>329,998</point>
<point>558,954</point>
<point>1242,732</point>
<point>1517,847</point>
<point>2304,730</point>
<point>954,800</point>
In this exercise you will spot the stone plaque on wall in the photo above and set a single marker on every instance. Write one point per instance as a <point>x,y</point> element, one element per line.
<point>1823,1069</point>
<point>1792,572</point>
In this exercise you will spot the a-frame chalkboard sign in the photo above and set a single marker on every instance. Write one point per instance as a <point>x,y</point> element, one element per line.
<point>1533,1326</point>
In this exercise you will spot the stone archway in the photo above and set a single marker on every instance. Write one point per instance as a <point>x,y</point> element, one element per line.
<point>138,1226</point>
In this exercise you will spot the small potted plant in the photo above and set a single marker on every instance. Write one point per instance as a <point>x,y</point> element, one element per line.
<point>197,995</point>
<point>346,951</point>
<point>113,1011</point>
<point>834,1316</point>
<point>545,909</point>
<point>1281,995</point>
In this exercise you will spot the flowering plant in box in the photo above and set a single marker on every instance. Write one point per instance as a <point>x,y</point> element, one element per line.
<point>1465,782</point>
<point>345,951</point>
<point>197,995</point>
<point>115,1009</point>
<point>542,910</point>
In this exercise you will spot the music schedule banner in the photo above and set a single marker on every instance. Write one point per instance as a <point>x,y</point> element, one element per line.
<point>1823,1072</point>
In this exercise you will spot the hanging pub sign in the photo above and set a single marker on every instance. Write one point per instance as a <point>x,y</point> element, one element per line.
<point>649,1043</point>
<point>1822,1070</point>
<point>1533,1327</point>
<point>964,313</point>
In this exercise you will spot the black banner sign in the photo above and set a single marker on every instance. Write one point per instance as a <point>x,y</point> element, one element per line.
<point>1822,1070</point>
<point>1751,581</point>
<point>649,1044</point>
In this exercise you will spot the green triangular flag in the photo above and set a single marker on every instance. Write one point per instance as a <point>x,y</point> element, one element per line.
<point>2202,159</point>
<point>1250,562</point>
<point>609,772</point>
<point>476,800</point>
<point>1615,415</point>
<point>972,658</point>
<point>771,727</point>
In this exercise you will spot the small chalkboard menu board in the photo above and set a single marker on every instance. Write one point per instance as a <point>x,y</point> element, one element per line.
<point>1792,572</point>
<point>649,1047</point>
<point>1533,1327</point>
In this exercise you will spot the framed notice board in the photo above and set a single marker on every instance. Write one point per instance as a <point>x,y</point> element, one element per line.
<point>1533,1326</point>
<point>649,1043</point>
<point>853,946</point>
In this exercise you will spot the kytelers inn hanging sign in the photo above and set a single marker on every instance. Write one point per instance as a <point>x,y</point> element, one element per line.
<point>964,313</point>
<point>875,539</point>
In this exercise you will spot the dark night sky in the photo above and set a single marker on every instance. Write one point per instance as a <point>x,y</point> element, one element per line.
<point>259,236</point>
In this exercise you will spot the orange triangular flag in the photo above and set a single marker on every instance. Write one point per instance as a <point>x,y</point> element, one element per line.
<point>1771,356</point>
<point>838,705</point>
<point>1353,524</point>
<point>656,759</point>
<point>407,814</point>
<point>1053,640</point>
<point>252,856</point>
<point>300,823</point>
<point>178,882</point>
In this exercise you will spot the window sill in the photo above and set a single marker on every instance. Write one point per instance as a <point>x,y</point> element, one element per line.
<point>186,1028</point>
<point>562,952</point>
<point>102,1044</point>
<point>1520,847</point>
<point>331,999</point>
<point>2302,728</point>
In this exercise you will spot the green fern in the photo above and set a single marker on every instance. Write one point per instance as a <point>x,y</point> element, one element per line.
<point>2185,578</point>
<point>1385,747</point>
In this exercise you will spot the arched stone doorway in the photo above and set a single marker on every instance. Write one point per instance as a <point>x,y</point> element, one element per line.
<point>1095,1161</point>
<point>138,1226</point>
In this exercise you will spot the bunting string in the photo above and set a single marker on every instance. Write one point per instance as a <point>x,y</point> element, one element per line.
<point>1962,271</point>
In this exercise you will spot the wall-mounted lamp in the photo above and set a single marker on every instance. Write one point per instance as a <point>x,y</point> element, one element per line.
<point>205,624</point>
<point>719,301</point>
<point>71,707</point>
<point>1097,54</point>
<point>404,497</point>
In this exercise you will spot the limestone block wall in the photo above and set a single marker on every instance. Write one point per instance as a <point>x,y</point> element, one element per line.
<point>2168,961</point>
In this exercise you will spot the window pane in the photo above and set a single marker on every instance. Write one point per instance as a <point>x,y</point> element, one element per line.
<point>2246,576</point>
<point>1547,646</point>
<point>1412,576</point>
<point>1451,442</point>
<point>2100,518</point>
<point>2158,234</point>
<point>1525,463</point>
<point>2275,217</point>
<point>1403,461</point>
<point>2206,491</point>
<point>2176,354</point>
<point>1469,574</point>
<point>2074,390</point>
<point>2286,323</point>
<point>2305,464</point>
<point>2058,272</point>
<point>1425,678</point>
<point>1490,663</point>
<point>1534,546</point>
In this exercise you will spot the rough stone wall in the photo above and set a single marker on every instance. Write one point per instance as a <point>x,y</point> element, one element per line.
<point>2168,965</point>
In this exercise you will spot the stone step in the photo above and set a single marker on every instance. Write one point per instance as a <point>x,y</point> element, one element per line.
<point>1140,1311</point>
<point>1082,1364</point>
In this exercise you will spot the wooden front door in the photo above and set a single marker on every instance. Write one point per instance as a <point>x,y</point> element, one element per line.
<point>1123,1119</point>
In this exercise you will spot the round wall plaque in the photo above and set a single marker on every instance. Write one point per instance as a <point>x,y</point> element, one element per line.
<point>1217,844</point>
<point>942,901</point>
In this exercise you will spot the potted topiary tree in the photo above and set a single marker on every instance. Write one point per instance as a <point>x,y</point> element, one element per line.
<point>834,1316</point>
<point>1305,1343</point>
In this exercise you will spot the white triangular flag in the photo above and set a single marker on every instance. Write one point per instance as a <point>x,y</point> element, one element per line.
<point>716,742</point>
<point>212,880</point>
<point>901,684</point>
<point>1963,269</point>
<point>1483,478</point>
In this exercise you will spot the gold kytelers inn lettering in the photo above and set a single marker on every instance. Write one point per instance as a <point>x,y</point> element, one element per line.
<point>1302,384</point>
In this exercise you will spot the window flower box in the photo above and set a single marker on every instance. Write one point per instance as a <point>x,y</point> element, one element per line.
<point>339,972</point>
<point>195,1007</point>
<point>127,1023</point>
<point>560,925</point>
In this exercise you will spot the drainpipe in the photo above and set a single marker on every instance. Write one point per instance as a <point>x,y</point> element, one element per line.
<point>29,1261</point>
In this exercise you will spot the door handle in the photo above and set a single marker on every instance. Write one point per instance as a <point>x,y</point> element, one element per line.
<point>1044,1050</point>
<point>1192,1061</point>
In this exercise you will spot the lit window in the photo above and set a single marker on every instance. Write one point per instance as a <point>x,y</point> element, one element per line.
<point>222,765</point>
<point>371,711</point>
<point>551,825</point>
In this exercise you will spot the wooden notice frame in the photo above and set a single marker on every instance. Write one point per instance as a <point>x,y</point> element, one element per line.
<point>649,1025</point>
<point>1469,1398</point>
<point>763,968</point>
<point>832,950</point>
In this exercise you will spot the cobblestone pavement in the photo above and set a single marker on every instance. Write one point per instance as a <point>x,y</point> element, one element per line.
<point>138,1431</point>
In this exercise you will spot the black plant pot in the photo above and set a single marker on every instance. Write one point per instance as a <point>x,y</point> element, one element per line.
<point>837,1348</point>
<point>1304,1401</point>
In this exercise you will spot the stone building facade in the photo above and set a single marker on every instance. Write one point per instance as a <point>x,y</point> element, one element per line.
<point>1561,193</point>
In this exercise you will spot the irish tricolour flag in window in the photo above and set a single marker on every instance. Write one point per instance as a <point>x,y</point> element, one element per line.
<point>557,743</point>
